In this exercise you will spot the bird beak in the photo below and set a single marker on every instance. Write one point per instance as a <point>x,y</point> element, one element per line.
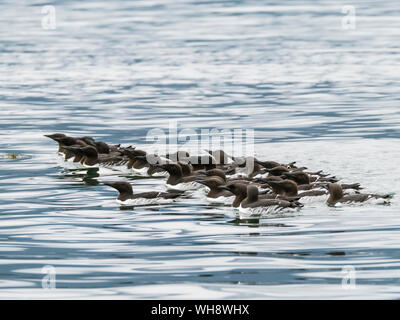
<point>51,137</point>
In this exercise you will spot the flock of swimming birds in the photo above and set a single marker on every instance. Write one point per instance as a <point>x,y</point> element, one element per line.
<point>252,186</point>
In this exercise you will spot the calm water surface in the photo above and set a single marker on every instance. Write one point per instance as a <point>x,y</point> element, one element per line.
<point>312,91</point>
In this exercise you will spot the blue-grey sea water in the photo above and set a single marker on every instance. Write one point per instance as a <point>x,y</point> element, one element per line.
<point>316,89</point>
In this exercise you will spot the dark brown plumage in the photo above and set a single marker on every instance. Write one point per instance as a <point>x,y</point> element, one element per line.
<point>289,189</point>
<point>252,201</point>
<point>91,157</point>
<point>214,183</point>
<point>336,195</point>
<point>238,189</point>
<point>126,192</point>
<point>176,174</point>
<point>277,171</point>
<point>299,177</point>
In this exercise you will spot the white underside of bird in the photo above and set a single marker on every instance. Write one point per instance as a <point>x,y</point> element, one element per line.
<point>140,172</point>
<point>314,199</point>
<point>184,186</point>
<point>144,201</point>
<point>223,200</point>
<point>160,174</point>
<point>369,201</point>
<point>258,211</point>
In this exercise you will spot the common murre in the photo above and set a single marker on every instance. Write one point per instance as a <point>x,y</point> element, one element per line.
<point>136,159</point>
<point>277,171</point>
<point>216,194</point>
<point>203,161</point>
<point>299,177</point>
<point>150,161</point>
<point>254,206</point>
<point>336,195</point>
<point>268,164</point>
<point>66,141</point>
<point>55,137</point>
<point>103,147</point>
<point>247,166</point>
<point>238,189</point>
<point>127,197</point>
<point>220,173</point>
<point>176,179</point>
<point>91,157</point>
<point>319,185</point>
<point>289,190</point>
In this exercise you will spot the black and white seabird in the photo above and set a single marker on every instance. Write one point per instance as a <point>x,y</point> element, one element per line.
<point>248,166</point>
<point>56,137</point>
<point>91,157</point>
<point>136,159</point>
<point>277,171</point>
<point>289,189</point>
<point>127,197</point>
<point>177,180</point>
<point>268,164</point>
<point>299,177</point>
<point>336,195</point>
<point>66,141</point>
<point>150,161</point>
<point>253,206</point>
<point>238,189</point>
<point>220,173</point>
<point>203,161</point>
<point>319,185</point>
<point>217,194</point>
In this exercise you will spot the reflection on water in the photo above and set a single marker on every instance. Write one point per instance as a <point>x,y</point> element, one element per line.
<point>313,92</point>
